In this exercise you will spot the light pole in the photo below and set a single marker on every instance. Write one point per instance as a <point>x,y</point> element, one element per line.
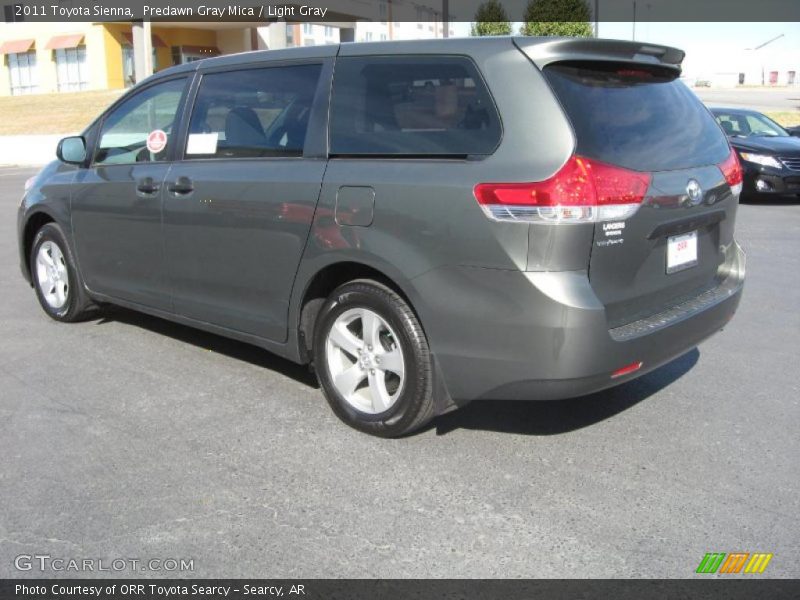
<point>759,47</point>
<point>647,7</point>
<point>597,18</point>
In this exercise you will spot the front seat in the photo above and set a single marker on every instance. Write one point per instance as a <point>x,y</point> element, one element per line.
<point>727,127</point>
<point>244,132</point>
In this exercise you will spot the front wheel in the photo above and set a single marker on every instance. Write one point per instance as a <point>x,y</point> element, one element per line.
<point>373,360</point>
<point>55,276</point>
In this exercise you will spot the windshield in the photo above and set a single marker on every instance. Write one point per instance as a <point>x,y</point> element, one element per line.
<point>749,125</point>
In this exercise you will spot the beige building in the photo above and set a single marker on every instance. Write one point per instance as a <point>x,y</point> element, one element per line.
<point>41,58</point>
<point>54,57</point>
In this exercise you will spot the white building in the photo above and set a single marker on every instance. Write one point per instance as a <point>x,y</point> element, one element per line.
<point>770,70</point>
<point>773,65</point>
<point>313,34</point>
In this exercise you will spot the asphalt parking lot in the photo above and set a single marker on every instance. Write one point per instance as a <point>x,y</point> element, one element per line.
<point>760,99</point>
<point>132,437</point>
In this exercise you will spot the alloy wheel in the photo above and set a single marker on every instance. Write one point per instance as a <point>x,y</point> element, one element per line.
<point>52,275</point>
<point>365,360</point>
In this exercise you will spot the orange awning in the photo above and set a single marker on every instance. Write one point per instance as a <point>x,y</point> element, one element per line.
<point>60,42</point>
<point>15,46</point>
<point>157,41</point>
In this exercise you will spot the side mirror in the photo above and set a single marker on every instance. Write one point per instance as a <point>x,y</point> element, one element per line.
<point>72,150</point>
<point>794,131</point>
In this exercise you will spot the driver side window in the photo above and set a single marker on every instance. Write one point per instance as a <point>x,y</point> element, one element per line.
<point>125,133</point>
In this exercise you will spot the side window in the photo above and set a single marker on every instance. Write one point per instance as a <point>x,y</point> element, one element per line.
<point>411,105</point>
<point>252,113</point>
<point>148,115</point>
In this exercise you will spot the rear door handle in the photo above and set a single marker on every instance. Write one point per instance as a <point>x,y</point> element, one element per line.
<point>182,185</point>
<point>147,185</point>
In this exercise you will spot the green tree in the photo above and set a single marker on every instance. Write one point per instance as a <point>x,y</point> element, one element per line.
<point>491,19</point>
<point>557,17</point>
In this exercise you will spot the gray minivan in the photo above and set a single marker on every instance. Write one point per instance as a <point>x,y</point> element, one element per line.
<point>426,222</point>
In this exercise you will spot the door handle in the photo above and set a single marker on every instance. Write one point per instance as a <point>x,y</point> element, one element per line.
<point>182,185</point>
<point>147,185</point>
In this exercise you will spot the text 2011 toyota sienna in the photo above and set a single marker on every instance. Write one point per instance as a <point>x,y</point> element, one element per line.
<point>428,222</point>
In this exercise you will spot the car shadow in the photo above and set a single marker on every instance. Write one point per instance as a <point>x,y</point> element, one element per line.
<point>554,417</point>
<point>210,341</point>
<point>533,417</point>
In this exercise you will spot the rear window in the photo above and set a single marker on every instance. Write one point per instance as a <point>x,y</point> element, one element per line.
<point>411,106</point>
<point>641,118</point>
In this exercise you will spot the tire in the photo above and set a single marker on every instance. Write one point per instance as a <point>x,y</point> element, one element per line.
<point>53,267</point>
<point>393,393</point>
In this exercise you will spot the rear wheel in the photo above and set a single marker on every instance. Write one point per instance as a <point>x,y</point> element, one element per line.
<point>373,361</point>
<point>55,276</point>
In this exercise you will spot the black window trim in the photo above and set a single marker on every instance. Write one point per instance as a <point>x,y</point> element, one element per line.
<point>171,142</point>
<point>418,156</point>
<point>312,147</point>
<point>410,157</point>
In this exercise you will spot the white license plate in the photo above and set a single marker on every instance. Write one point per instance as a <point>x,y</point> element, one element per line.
<point>681,251</point>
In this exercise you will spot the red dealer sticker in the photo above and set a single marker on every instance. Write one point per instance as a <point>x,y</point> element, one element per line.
<point>156,141</point>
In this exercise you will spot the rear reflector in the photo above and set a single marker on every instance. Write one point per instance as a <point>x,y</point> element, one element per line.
<point>732,171</point>
<point>583,190</point>
<point>631,368</point>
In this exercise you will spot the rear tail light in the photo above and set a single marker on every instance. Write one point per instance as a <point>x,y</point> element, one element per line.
<point>732,171</point>
<point>582,191</point>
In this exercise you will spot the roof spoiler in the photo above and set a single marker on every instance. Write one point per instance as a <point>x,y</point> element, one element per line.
<point>544,51</point>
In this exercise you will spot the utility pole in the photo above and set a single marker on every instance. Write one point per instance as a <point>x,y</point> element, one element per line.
<point>596,18</point>
<point>390,18</point>
<point>647,7</point>
<point>446,18</point>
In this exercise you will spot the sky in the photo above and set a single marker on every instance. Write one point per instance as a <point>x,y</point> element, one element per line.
<point>715,47</point>
<point>710,47</point>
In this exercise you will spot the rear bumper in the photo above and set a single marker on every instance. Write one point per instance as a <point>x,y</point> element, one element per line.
<point>543,336</point>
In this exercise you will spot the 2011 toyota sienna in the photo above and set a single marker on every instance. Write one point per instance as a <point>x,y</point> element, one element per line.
<point>427,222</point>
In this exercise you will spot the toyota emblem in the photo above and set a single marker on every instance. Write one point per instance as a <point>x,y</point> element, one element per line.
<point>694,192</point>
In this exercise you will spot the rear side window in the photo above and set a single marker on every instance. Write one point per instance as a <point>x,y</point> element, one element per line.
<point>252,113</point>
<point>411,106</point>
<point>641,118</point>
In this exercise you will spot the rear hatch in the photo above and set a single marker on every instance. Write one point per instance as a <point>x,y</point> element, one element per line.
<point>641,117</point>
